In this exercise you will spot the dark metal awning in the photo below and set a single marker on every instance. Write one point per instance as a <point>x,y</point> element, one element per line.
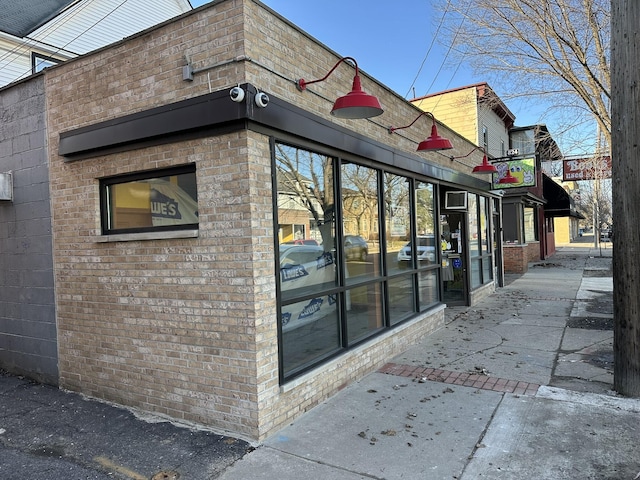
<point>559,202</point>
<point>20,18</point>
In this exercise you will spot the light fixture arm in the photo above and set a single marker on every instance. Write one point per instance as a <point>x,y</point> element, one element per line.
<point>393,129</point>
<point>301,84</point>
<point>452,158</point>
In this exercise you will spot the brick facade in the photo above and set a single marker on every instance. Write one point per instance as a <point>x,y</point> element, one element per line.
<point>187,327</point>
<point>518,257</point>
<point>184,324</point>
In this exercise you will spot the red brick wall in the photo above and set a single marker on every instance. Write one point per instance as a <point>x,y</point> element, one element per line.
<point>517,257</point>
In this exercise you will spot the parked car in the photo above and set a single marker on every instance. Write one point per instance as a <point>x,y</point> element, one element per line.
<point>355,247</point>
<point>426,250</point>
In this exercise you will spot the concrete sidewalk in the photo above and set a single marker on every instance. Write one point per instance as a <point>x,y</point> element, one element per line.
<point>518,386</point>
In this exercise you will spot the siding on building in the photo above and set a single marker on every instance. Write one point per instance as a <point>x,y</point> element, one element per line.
<point>467,113</point>
<point>85,26</point>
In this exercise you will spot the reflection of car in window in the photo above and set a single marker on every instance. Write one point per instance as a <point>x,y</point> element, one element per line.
<point>355,247</point>
<point>294,254</point>
<point>306,241</point>
<point>426,250</point>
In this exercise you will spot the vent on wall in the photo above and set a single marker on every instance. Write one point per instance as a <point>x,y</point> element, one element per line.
<point>6,186</point>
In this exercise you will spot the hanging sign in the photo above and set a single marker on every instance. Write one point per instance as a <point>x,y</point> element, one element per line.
<point>586,168</point>
<point>523,170</point>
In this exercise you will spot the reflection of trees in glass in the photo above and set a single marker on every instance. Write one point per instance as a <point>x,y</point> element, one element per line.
<point>424,209</point>
<point>359,199</point>
<point>305,181</point>
<point>396,206</point>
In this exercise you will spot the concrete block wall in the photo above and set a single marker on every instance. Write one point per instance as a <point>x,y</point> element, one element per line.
<point>27,307</point>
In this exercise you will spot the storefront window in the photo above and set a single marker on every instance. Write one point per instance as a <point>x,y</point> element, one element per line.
<point>150,201</point>
<point>474,225</point>
<point>364,311</point>
<point>347,269</point>
<point>360,222</point>
<point>479,241</point>
<point>401,298</point>
<point>307,256</point>
<point>427,251</point>
<point>428,289</point>
<point>530,231</point>
<point>397,222</point>
<point>485,232</point>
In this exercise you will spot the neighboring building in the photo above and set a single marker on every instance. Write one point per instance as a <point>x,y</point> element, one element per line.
<point>566,228</point>
<point>191,235</point>
<point>37,34</point>
<point>531,207</point>
<point>474,112</point>
<point>477,113</point>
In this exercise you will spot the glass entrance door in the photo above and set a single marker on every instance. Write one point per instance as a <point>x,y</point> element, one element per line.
<point>454,258</point>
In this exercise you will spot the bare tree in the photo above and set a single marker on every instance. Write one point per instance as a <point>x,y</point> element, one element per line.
<point>555,51</point>
<point>625,74</point>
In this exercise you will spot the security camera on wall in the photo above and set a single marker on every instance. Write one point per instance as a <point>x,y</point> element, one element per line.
<point>236,94</point>
<point>262,99</point>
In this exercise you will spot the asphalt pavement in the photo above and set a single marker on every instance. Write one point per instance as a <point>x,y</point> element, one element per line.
<point>517,386</point>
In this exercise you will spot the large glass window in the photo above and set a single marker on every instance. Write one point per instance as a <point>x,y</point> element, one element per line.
<point>364,311</point>
<point>150,201</point>
<point>360,191</point>
<point>347,264</point>
<point>479,241</point>
<point>310,321</point>
<point>360,222</point>
<point>397,222</point>
<point>426,252</point>
<point>530,230</point>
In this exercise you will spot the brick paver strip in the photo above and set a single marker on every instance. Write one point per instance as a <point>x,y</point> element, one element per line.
<point>475,380</point>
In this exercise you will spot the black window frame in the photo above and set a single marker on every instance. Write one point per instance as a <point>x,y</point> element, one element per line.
<point>342,289</point>
<point>107,182</point>
<point>36,57</point>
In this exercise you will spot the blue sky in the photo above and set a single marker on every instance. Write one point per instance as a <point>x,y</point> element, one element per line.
<point>390,40</point>
<point>394,43</point>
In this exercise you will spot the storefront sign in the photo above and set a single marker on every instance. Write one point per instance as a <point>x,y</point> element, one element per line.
<point>586,168</point>
<point>523,170</point>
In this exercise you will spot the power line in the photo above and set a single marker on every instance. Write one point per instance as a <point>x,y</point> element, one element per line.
<point>54,27</point>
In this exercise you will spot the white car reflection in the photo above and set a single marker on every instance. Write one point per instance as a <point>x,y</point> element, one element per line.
<point>426,250</point>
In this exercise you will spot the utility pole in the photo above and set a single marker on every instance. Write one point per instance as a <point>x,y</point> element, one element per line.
<point>625,155</point>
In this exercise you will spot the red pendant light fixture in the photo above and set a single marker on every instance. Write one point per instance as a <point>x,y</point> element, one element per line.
<point>508,178</point>
<point>355,104</point>
<point>434,141</point>
<point>485,167</point>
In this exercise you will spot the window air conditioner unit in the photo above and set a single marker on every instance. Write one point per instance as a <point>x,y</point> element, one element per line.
<point>455,200</point>
<point>6,186</point>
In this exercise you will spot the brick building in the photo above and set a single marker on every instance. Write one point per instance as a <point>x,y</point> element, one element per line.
<point>183,223</point>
